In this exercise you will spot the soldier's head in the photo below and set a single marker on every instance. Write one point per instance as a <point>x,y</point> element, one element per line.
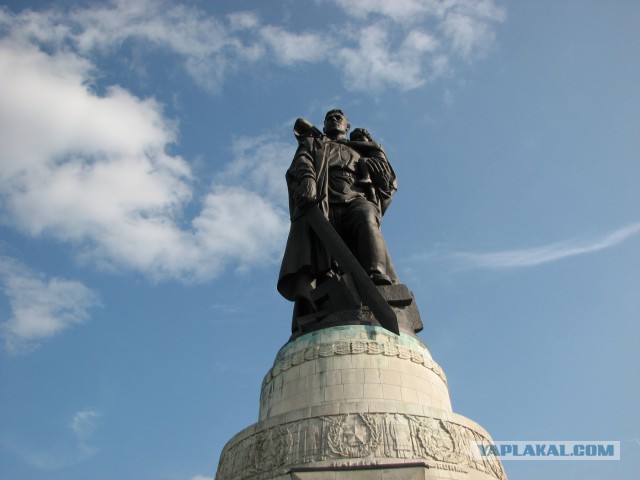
<point>336,123</point>
<point>360,135</point>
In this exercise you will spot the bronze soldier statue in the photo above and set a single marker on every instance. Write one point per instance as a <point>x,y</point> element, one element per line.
<point>352,183</point>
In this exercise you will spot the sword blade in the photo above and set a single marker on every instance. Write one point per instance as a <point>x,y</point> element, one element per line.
<point>348,263</point>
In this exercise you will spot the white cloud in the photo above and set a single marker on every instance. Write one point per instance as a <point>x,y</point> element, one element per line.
<point>547,253</point>
<point>408,43</point>
<point>401,44</point>
<point>470,36</point>
<point>290,48</point>
<point>240,225</point>
<point>259,163</point>
<point>208,47</point>
<point>464,28</point>
<point>243,20</point>
<point>48,111</point>
<point>83,167</point>
<point>41,307</point>
<point>375,64</point>
<point>94,170</point>
<point>413,11</point>
<point>84,423</point>
<point>201,477</point>
<point>398,10</point>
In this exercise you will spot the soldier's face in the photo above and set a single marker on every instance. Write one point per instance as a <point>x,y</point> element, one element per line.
<point>336,123</point>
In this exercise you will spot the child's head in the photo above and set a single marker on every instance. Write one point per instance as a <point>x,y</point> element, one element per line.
<point>360,135</point>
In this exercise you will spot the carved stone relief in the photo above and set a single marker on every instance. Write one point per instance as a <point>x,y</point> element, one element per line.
<point>363,438</point>
<point>357,435</point>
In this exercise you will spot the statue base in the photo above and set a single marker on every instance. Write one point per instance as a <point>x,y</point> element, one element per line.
<point>338,303</point>
<point>356,402</point>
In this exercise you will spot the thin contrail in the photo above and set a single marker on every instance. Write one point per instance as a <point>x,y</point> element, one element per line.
<point>530,257</point>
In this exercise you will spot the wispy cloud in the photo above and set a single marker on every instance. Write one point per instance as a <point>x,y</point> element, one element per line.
<point>41,307</point>
<point>209,48</point>
<point>461,27</point>
<point>84,423</point>
<point>69,450</point>
<point>401,44</point>
<point>376,62</point>
<point>530,257</point>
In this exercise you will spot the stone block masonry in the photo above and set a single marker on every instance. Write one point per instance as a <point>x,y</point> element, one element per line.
<point>357,402</point>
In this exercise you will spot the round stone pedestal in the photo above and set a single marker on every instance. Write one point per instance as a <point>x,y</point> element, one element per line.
<point>357,402</point>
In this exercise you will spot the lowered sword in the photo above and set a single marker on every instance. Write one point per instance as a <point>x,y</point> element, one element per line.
<point>367,290</point>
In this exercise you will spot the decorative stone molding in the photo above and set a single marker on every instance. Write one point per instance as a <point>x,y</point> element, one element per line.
<point>389,348</point>
<point>362,439</point>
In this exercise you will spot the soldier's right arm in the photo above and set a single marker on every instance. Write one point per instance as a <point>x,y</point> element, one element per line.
<point>303,175</point>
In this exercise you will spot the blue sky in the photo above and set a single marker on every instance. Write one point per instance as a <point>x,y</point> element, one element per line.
<point>143,216</point>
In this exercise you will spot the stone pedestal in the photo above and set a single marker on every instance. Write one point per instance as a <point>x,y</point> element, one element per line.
<point>357,402</point>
